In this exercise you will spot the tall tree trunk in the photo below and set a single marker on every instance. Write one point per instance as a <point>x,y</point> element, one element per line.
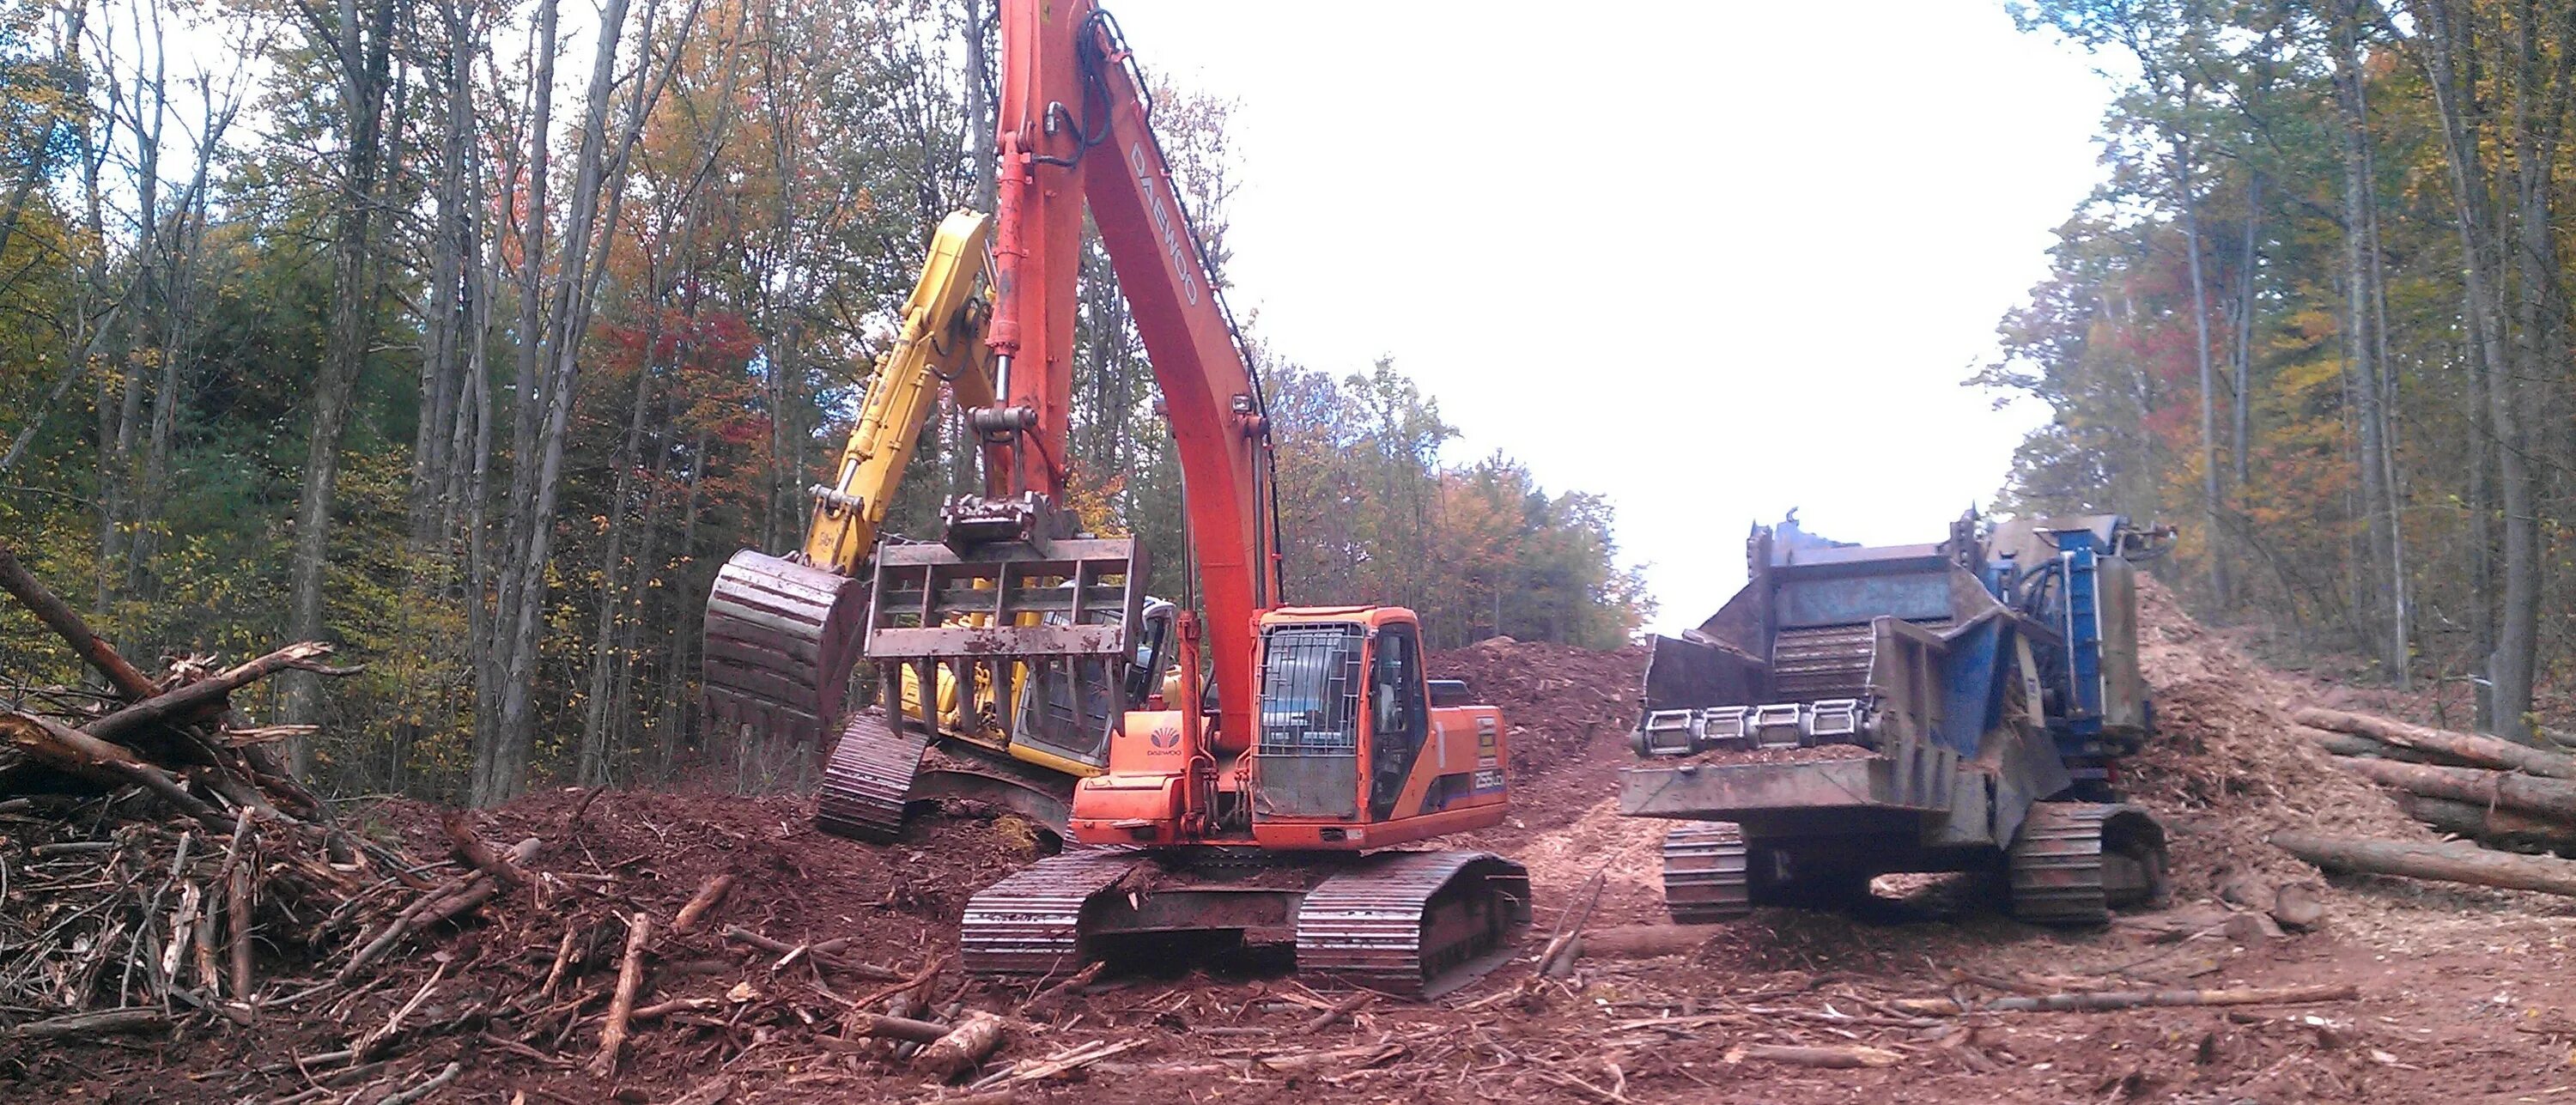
<point>2361,346</point>
<point>591,763</point>
<point>445,303</point>
<point>492,781</point>
<point>598,173</point>
<point>2243,414</point>
<point>2210,502</point>
<point>2510,666</point>
<point>2539,112</point>
<point>362,57</point>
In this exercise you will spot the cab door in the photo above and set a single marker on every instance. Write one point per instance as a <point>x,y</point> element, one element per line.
<point>1399,714</point>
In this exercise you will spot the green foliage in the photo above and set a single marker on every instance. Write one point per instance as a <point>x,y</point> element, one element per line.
<point>771,220</point>
<point>2223,94</point>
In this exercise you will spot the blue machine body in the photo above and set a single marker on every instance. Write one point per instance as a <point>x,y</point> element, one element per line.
<point>2005,629</point>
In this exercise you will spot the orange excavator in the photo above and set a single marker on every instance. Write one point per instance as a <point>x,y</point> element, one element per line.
<point>1259,798</point>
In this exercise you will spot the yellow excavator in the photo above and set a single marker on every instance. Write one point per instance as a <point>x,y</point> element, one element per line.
<point>782,633</point>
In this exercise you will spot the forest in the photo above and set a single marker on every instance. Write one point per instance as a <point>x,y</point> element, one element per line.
<point>471,336</point>
<point>2317,318</point>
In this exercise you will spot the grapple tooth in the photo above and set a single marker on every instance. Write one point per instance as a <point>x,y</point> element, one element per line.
<point>1704,873</point>
<point>780,638</point>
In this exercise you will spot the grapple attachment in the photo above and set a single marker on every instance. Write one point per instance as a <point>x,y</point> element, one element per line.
<point>780,640</point>
<point>1035,629</point>
<point>1005,587</point>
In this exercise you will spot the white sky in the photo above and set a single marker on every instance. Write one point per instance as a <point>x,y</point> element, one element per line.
<point>1712,260</point>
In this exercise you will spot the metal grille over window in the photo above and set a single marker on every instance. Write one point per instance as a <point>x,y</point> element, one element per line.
<point>1310,691</point>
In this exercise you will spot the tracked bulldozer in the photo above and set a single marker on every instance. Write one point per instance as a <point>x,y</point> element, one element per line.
<point>1857,711</point>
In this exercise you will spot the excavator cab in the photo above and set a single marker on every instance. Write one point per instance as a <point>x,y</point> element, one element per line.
<point>1350,753</point>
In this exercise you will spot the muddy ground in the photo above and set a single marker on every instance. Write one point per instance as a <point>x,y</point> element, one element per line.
<point>2465,994</point>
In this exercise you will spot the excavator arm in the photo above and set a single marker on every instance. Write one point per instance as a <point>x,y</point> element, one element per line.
<point>782,632</point>
<point>942,341</point>
<point>1075,130</point>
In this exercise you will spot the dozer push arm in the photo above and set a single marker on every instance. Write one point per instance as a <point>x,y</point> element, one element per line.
<point>941,341</point>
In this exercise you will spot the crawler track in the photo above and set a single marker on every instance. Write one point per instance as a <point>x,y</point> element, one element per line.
<point>873,774</point>
<point>1409,923</point>
<point>1031,922</point>
<point>2073,861</point>
<point>869,778</point>
<point>1704,873</point>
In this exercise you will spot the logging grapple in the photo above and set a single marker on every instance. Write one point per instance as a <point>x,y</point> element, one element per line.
<point>1858,711</point>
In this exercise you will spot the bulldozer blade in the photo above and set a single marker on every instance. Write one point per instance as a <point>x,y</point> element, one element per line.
<point>780,640</point>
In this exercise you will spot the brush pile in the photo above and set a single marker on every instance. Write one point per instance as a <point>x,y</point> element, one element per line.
<point>158,868</point>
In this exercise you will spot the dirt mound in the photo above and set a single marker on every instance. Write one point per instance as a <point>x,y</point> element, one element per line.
<point>1557,700</point>
<point>1569,711</point>
<point>2227,767</point>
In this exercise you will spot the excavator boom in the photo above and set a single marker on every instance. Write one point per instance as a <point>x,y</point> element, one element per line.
<point>1252,821</point>
<point>782,632</point>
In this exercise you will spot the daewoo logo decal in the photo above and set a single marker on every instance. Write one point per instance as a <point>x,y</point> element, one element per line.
<point>1166,223</point>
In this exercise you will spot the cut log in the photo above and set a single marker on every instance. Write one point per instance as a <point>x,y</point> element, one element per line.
<point>2100,1001</point>
<point>2484,822</point>
<point>477,854</point>
<point>1842,1057</point>
<point>73,752</point>
<point>2354,744</point>
<point>2466,863</point>
<point>973,1040</point>
<point>630,978</point>
<point>194,700</point>
<point>894,1028</point>
<point>2530,793</point>
<point>707,898</point>
<point>101,1023</point>
<point>238,897</point>
<point>1645,941</point>
<point>2474,748</point>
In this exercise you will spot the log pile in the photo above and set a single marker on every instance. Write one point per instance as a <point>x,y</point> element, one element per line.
<point>2507,796</point>
<point>158,867</point>
<point>2495,793</point>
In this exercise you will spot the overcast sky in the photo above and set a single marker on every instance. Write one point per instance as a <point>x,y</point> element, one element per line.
<point>1713,260</point>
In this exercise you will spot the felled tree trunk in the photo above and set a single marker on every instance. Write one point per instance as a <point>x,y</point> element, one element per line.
<point>2466,863</point>
<point>2555,798</point>
<point>2472,748</point>
<point>2488,823</point>
<point>966,1045</point>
